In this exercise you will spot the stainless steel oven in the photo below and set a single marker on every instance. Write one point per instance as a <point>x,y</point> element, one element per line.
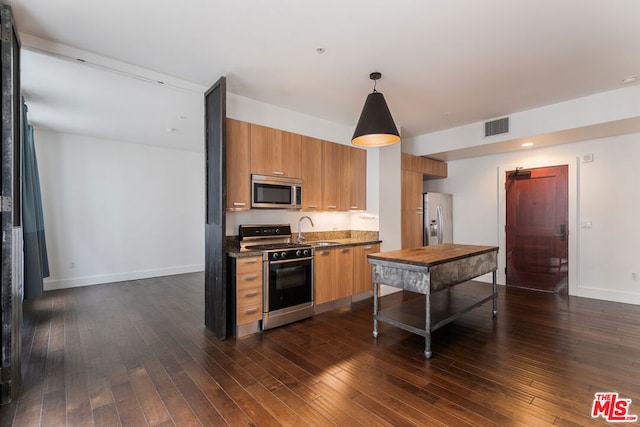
<point>287,273</point>
<point>288,287</point>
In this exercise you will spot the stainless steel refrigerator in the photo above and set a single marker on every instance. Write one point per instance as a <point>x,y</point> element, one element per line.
<point>438,226</point>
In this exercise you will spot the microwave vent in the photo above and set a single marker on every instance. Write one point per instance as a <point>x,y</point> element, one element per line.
<point>496,127</point>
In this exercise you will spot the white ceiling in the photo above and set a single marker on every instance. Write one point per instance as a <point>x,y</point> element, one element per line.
<point>444,63</point>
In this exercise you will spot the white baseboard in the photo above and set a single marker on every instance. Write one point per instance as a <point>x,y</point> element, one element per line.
<point>608,295</point>
<point>76,282</point>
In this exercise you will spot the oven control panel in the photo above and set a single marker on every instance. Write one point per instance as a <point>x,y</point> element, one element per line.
<point>290,254</point>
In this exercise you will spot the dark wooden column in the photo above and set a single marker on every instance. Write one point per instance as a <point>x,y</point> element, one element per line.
<point>11,282</point>
<point>215,225</point>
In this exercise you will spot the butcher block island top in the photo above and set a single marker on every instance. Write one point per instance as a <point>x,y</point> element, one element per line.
<point>435,272</point>
<point>427,256</point>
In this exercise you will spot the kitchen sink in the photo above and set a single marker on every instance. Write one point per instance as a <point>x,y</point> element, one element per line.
<point>323,243</point>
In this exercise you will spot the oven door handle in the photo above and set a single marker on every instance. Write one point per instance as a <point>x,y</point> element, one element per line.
<point>290,260</point>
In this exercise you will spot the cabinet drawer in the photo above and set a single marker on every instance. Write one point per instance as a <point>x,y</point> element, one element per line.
<point>249,264</point>
<point>249,313</point>
<point>249,296</point>
<point>249,280</point>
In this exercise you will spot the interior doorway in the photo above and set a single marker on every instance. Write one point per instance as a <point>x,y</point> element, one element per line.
<point>536,228</point>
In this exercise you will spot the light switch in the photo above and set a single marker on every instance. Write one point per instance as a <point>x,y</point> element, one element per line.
<point>587,225</point>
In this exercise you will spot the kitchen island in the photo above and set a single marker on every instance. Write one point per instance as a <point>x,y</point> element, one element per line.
<point>433,271</point>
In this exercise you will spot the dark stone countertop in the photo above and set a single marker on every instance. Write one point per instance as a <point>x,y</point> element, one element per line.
<point>233,248</point>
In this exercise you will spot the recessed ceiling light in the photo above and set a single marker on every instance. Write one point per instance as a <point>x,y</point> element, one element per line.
<point>320,50</point>
<point>629,79</point>
<point>169,130</point>
<point>527,144</point>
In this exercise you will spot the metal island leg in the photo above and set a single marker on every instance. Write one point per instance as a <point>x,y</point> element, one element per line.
<point>427,327</point>
<point>494,288</point>
<point>375,310</point>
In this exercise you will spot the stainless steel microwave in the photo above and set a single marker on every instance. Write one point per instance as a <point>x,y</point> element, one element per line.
<point>276,192</point>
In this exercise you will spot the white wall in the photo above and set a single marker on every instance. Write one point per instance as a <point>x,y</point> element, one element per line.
<point>119,211</point>
<point>604,192</point>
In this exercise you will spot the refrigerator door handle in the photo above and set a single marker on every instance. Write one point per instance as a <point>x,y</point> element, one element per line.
<point>440,219</point>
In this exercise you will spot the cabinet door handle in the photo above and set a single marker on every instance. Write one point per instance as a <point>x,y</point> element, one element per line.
<point>251,294</point>
<point>251,310</point>
<point>250,261</point>
<point>252,277</point>
<point>344,251</point>
<point>353,207</point>
<point>239,204</point>
<point>368,248</point>
<point>323,253</point>
<point>331,207</point>
<point>278,173</point>
<point>312,206</point>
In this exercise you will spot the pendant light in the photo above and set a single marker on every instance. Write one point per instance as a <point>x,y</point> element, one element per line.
<point>375,127</point>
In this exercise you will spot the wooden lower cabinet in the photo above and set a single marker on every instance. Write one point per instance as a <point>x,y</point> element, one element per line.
<point>333,274</point>
<point>362,281</point>
<point>248,290</point>
<point>323,275</point>
<point>342,272</point>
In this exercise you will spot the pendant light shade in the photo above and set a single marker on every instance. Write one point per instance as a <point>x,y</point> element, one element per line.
<point>375,127</point>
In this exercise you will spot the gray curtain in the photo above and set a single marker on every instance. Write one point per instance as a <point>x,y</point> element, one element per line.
<point>36,262</point>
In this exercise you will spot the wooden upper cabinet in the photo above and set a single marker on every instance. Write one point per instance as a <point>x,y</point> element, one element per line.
<point>334,175</point>
<point>336,191</point>
<point>290,155</point>
<point>238,165</point>
<point>428,167</point>
<point>408,162</point>
<point>433,168</point>
<point>274,152</point>
<point>311,163</point>
<point>358,178</point>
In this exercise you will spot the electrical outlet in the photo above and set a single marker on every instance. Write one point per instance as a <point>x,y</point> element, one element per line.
<point>634,276</point>
<point>587,158</point>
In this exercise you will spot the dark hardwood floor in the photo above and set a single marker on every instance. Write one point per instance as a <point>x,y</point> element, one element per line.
<point>137,353</point>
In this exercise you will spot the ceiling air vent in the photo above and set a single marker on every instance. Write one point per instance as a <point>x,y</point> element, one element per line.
<point>496,127</point>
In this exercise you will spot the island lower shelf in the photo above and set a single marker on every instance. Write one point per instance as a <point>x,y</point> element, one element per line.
<point>446,306</point>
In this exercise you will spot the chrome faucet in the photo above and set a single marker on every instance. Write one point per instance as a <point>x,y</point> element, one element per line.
<point>300,236</point>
